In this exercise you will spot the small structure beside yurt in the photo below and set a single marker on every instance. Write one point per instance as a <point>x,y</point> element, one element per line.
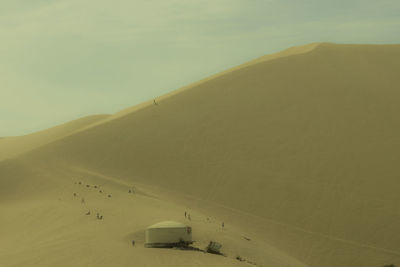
<point>168,234</point>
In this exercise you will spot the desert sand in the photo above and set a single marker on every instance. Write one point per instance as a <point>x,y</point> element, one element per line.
<point>295,152</point>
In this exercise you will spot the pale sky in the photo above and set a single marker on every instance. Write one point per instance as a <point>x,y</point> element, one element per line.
<point>64,59</point>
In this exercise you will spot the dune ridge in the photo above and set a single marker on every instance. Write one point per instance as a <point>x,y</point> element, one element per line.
<point>13,146</point>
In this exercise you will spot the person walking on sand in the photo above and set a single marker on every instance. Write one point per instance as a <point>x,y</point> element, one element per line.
<point>185,214</point>
<point>223,225</point>
<point>83,201</point>
<point>189,217</point>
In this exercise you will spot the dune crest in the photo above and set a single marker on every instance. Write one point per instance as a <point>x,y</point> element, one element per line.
<point>16,145</point>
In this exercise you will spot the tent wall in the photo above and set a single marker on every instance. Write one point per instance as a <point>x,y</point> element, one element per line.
<point>168,235</point>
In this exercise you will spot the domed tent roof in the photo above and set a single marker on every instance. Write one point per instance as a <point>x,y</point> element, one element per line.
<point>167,224</point>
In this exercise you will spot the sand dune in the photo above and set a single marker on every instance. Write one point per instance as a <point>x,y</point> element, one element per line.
<point>16,145</point>
<point>45,223</point>
<point>297,150</point>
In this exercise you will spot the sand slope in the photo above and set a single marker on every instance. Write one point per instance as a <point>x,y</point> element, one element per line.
<point>16,145</point>
<point>45,223</point>
<point>298,151</point>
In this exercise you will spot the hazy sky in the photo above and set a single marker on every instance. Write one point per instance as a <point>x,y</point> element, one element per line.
<point>63,59</point>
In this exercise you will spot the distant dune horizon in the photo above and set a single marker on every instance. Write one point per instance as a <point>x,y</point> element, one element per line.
<point>294,152</point>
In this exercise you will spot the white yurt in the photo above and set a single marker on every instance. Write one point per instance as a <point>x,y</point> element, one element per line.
<point>168,234</point>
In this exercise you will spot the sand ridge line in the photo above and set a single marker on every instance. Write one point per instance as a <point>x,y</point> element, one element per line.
<point>117,181</point>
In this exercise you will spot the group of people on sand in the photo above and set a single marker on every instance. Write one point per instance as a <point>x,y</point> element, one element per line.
<point>98,216</point>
